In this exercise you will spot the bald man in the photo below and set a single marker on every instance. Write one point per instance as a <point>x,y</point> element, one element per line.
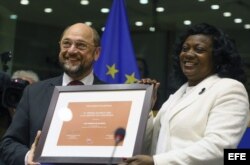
<point>79,49</point>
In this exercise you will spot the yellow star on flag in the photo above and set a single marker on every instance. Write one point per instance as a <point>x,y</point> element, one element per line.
<point>130,78</point>
<point>111,70</point>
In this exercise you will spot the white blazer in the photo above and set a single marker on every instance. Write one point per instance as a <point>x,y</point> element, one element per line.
<point>197,128</point>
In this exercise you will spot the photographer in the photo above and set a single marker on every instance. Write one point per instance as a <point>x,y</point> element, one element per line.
<point>20,79</point>
<point>11,92</point>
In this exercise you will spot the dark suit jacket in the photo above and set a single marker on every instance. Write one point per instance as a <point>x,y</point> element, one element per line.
<point>28,119</point>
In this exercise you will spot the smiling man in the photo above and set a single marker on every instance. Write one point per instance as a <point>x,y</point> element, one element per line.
<point>79,49</point>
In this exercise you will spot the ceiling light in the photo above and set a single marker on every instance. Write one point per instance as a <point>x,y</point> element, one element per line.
<point>227,14</point>
<point>160,9</point>
<point>152,29</point>
<point>138,23</point>
<point>88,23</point>
<point>104,10</point>
<point>143,1</point>
<point>201,0</point>
<point>187,22</point>
<point>48,10</point>
<point>215,7</point>
<point>13,16</point>
<point>84,2</point>
<point>102,29</point>
<point>24,2</point>
<point>247,26</point>
<point>237,20</point>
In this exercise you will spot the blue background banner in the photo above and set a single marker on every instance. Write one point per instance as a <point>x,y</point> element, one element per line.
<point>117,62</point>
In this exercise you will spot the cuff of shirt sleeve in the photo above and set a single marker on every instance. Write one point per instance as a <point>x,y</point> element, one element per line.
<point>26,158</point>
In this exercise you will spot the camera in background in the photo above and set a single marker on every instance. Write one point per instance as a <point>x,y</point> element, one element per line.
<point>12,88</point>
<point>13,92</point>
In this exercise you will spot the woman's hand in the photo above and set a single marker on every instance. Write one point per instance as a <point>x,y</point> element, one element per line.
<point>138,160</point>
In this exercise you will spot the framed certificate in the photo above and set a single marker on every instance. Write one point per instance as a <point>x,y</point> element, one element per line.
<point>81,121</point>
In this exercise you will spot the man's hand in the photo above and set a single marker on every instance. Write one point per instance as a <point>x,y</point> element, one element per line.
<point>156,86</point>
<point>32,150</point>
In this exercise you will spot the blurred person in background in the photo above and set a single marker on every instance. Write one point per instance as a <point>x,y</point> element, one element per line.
<point>26,77</point>
<point>19,80</point>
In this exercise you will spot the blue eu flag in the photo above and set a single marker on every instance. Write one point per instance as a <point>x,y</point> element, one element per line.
<point>245,141</point>
<point>117,62</point>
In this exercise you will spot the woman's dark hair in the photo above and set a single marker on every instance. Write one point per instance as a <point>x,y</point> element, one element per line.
<point>225,54</point>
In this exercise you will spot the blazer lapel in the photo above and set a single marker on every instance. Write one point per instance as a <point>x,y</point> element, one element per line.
<point>166,110</point>
<point>191,96</point>
<point>57,81</point>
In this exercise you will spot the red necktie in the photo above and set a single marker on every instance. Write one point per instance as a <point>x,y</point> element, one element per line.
<point>75,82</point>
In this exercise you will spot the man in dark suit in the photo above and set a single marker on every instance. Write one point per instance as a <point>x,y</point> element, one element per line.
<point>79,49</point>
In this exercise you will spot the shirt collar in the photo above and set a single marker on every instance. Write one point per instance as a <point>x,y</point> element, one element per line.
<point>88,80</point>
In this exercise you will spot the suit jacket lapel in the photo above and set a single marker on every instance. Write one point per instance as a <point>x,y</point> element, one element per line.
<point>194,94</point>
<point>57,81</point>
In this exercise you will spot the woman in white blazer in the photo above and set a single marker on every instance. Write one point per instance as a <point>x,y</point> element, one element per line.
<point>209,112</point>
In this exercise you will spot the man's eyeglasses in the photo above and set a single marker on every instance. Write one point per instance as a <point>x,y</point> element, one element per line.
<point>80,45</point>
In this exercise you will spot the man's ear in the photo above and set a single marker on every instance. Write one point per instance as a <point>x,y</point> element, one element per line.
<point>97,53</point>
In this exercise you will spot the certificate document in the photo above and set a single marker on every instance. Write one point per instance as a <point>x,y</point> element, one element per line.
<point>93,123</point>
